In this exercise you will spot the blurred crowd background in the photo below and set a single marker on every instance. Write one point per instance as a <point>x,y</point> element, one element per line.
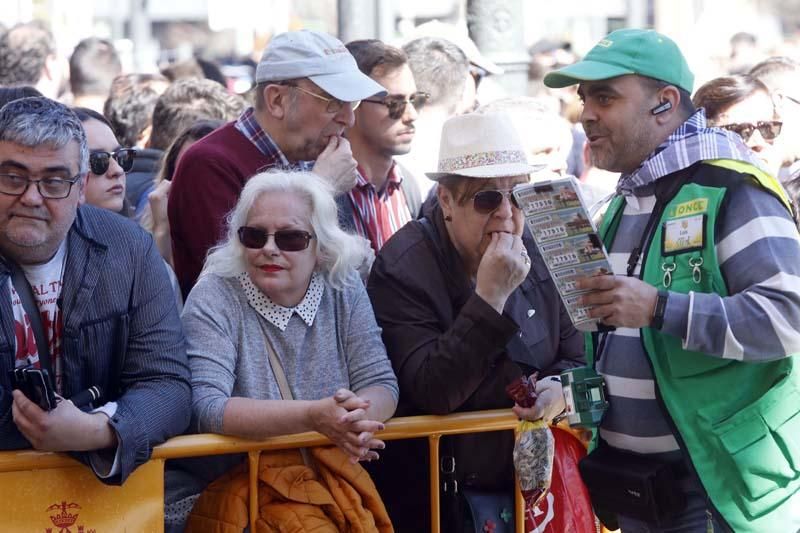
<point>510,45</point>
<point>523,37</point>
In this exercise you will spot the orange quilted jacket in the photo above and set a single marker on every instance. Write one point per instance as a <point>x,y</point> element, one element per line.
<point>294,498</point>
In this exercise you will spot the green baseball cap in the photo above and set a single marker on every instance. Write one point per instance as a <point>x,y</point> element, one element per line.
<point>629,51</point>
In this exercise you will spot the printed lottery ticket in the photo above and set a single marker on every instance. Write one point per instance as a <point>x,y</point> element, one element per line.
<point>547,196</point>
<point>565,278</point>
<point>572,251</point>
<point>560,224</point>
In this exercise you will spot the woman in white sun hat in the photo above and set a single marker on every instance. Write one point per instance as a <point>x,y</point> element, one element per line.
<point>467,306</point>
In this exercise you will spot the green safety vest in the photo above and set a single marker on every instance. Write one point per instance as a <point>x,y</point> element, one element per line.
<point>738,421</point>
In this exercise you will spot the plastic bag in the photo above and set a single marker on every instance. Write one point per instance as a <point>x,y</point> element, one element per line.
<point>534,447</point>
<point>566,508</point>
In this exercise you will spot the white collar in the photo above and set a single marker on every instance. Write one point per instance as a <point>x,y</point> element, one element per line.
<point>277,314</point>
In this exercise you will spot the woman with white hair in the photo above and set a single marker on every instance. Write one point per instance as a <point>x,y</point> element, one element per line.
<point>285,281</point>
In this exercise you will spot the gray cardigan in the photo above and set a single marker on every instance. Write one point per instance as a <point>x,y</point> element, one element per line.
<point>227,354</point>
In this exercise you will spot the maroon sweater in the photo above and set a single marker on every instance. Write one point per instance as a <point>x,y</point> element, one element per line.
<point>207,183</point>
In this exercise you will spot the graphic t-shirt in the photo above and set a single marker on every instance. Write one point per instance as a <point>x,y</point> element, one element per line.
<point>45,280</point>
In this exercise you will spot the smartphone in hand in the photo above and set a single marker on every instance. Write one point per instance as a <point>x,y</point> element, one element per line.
<point>35,385</point>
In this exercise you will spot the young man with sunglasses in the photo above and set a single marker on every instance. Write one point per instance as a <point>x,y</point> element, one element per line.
<point>441,70</point>
<point>308,86</point>
<point>701,373</point>
<point>385,196</point>
<point>84,295</point>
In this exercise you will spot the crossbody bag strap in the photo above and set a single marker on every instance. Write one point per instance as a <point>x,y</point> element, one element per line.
<point>25,293</point>
<point>277,368</point>
<point>283,385</point>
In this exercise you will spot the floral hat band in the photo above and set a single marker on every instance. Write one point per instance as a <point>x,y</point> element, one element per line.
<point>497,157</point>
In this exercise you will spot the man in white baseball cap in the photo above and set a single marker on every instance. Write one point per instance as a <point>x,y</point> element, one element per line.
<point>308,85</point>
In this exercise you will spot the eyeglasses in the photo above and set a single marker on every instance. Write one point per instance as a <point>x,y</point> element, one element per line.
<point>768,130</point>
<point>486,202</point>
<point>50,188</point>
<point>397,105</point>
<point>287,240</point>
<point>334,104</point>
<point>99,160</point>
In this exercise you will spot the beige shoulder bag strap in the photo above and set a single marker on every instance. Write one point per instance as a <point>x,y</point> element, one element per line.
<point>283,384</point>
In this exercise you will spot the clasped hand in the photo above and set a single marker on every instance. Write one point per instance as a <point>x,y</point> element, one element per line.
<point>343,418</point>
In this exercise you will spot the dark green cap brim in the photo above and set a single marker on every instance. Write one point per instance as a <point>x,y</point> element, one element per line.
<point>583,71</point>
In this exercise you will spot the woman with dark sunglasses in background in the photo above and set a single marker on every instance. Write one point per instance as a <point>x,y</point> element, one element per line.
<point>742,104</point>
<point>285,277</point>
<point>467,306</point>
<point>108,163</point>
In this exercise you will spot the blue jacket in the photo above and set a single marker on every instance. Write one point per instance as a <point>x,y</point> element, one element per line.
<point>121,331</point>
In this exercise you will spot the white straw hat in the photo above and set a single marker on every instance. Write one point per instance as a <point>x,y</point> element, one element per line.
<point>481,146</point>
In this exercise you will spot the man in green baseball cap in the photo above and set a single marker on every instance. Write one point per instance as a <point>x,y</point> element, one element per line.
<point>646,78</point>
<point>629,51</point>
<point>703,429</point>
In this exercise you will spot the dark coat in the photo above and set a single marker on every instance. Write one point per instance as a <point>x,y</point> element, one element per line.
<point>121,332</point>
<point>139,181</point>
<point>452,352</point>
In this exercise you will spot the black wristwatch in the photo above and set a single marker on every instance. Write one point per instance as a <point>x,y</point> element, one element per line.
<point>658,312</point>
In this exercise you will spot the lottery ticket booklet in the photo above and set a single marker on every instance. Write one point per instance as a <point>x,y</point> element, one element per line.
<point>566,238</point>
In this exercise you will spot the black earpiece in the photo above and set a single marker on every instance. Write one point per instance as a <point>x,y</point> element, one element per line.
<point>661,108</point>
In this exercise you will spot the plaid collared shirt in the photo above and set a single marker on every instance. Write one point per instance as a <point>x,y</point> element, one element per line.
<point>252,130</point>
<point>379,214</point>
<point>693,141</point>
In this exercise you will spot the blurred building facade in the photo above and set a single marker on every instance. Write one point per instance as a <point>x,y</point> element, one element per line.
<point>149,33</point>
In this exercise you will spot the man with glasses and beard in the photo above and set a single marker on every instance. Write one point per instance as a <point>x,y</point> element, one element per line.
<point>308,86</point>
<point>85,308</point>
<point>701,374</point>
<point>385,196</point>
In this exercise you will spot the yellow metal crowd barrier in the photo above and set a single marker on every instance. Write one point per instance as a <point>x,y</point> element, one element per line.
<point>53,493</point>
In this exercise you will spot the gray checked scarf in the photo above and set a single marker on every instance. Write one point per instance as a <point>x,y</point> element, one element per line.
<point>693,141</point>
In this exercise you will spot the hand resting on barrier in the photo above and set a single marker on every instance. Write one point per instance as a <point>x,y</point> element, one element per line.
<point>549,403</point>
<point>65,428</point>
<point>344,419</point>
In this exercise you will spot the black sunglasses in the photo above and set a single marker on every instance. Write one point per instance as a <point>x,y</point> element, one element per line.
<point>99,160</point>
<point>397,105</point>
<point>486,202</point>
<point>768,130</point>
<point>287,240</point>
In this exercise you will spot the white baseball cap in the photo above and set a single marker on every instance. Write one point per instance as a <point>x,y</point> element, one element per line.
<point>319,57</point>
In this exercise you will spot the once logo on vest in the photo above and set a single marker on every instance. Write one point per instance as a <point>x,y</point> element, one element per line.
<point>692,207</point>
